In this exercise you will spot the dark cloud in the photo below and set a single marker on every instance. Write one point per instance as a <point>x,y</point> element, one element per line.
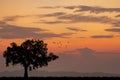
<point>56,7</point>
<point>80,18</point>
<point>50,22</point>
<point>96,9</point>
<point>88,53</point>
<point>75,29</point>
<point>12,31</point>
<point>113,30</point>
<point>2,23</point>
<point>55,14</point>
<point>12,18</point>
<point>70,7</point>
<point>86,50</point>
<point>102,36</point>
<point>118,15</point>
<point>81,8</point>
<point>116,23</point>
<point>62,17</point>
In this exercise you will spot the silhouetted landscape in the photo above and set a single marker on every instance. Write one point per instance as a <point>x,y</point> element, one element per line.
<point>45,75</point>
<point>57,74</point>
<point>60,78</point>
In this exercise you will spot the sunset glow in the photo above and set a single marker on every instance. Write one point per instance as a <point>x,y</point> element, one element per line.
<point>67,26</point>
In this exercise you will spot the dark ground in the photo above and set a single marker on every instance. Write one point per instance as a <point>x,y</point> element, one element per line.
<point>60,78</point>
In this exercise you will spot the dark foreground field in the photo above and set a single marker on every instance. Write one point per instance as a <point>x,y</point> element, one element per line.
<point>60,78</point>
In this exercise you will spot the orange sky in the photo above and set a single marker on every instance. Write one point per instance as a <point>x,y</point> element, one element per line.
<point>65,25</point>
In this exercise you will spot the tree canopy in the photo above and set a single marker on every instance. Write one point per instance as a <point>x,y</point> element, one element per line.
<point>30,54</point>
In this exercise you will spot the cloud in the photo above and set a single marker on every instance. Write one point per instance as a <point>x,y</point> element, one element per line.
<point>118,15</point>
<point>81,18</point>
<point>113,30</point>
<point>102,36</point>
<point>2,23</point>
<point>86,50</point>
<point>82,51</point>
<point>62,17</point>
<point>74,18</point>
<point>96,9</point>
<point>75,29</point>
<point>12,18</point>
<point>50,22</point>
<point>56,7</point>
<point>15,17</point>
<point>55,14</point>
<point>70,7</point>
<point>116,23</point>
<point>12,32</point>
<point>82,8</point>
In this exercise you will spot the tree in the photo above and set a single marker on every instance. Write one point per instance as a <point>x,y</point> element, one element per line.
<point>31,54</point>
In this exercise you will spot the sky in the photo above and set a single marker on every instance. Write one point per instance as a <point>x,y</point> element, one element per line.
<point>69,27</point>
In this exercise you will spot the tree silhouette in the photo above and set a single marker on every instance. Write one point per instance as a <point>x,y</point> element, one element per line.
<point>31,54</point>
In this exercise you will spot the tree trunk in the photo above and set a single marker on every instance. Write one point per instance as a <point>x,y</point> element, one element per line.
<point>25,72</point>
